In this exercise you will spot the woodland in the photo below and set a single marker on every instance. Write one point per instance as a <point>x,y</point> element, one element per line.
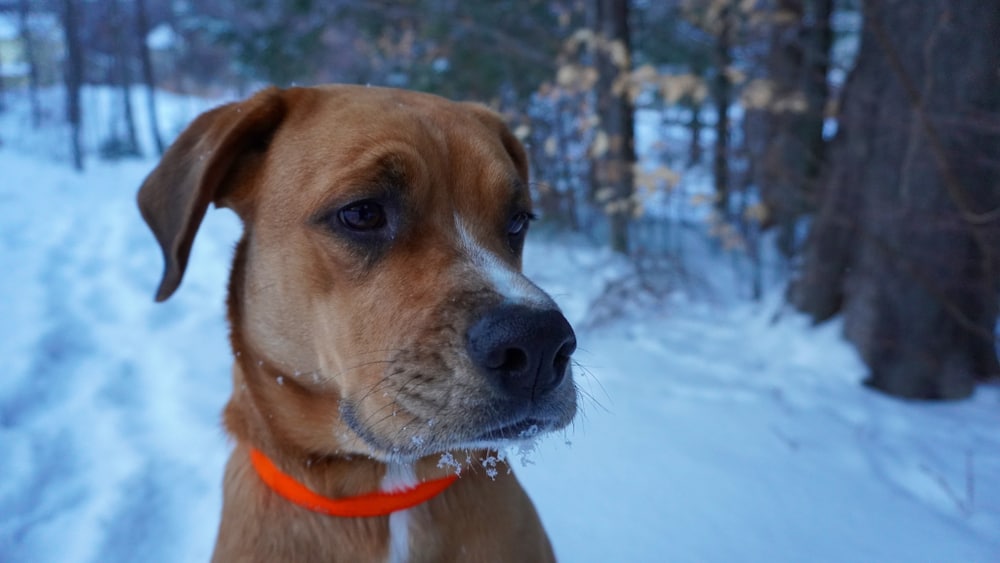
<point>847,151</point>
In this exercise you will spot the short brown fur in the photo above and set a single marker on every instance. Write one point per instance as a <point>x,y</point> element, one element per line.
<point>322,327</point>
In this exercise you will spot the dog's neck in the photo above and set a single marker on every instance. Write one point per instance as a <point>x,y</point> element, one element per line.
<point>250,420</point>
<point>307,441</point>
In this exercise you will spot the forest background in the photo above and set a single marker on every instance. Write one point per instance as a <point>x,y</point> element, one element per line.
<point>846,150</point>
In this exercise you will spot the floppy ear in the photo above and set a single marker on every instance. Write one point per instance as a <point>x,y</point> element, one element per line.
<point>195,171</point>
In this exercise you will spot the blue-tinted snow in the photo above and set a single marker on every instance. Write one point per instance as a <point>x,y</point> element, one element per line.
<point>711,430</point>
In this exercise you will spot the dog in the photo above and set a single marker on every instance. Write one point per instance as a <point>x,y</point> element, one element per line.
<point>386,343</point>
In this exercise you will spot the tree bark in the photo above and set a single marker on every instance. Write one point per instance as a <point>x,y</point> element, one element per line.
<point>906,241</point>
<point>722,93</point>
<point>694,140</point>
<point>614,163</point>
<point>819,43</point>
<point>123,71</point>
<point>3,89</point>
<point>148,75</point>
<point>28,40</point>
<point>785,135</point>
<point>73,76</point>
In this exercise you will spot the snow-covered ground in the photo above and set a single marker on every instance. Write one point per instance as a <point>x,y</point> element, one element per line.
<point>711,430</point>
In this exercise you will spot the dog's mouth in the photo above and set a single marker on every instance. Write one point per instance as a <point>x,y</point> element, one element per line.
<point>418,439</point>
<point>525,429</point>
<point>405,425</point>
<point>521,423</point>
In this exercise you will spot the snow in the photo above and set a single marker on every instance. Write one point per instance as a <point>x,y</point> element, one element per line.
<point>162,38</point>
<point>711,429</point>
<point>9,29</point>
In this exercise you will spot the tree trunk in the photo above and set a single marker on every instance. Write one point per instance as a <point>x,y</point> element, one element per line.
<point>130,144</point>
<point>148,76</point>
<point>3,88</point>
<point>694,141</point>
<point>785,131</point>
<point>614,161</point>
<point>73,76</point>
<point>722,96</point>
<point>28,40</point>
<point>819,43</point>
<point>906,240</point>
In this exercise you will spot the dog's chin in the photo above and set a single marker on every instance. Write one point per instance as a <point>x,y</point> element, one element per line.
<point>525,429</point>
<point>517,429</point>
<point>521,435</point>
<point>502,435</point>
<point>513,424</point>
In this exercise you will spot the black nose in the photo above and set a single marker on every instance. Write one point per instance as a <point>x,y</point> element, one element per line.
<point>526,350</point>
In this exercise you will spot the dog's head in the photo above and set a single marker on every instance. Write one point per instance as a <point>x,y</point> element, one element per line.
<point>377,302</point>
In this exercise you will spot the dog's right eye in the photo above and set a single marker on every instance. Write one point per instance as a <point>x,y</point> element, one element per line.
<point>363,215</point>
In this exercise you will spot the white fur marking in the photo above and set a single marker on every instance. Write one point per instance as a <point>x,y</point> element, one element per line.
<point>507,281</point>
<point>399,476</point>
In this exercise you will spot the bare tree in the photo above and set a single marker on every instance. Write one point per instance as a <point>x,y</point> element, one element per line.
<point>73,76</point>
<point>722,23</point>
<point>148,75</point>
<point>722,94</point>
<point>615,148</point>
<point>28,40</point>
<point>129,145</point>
<point>3,88</point>
<point>785,112</point>
<point>907,238</point>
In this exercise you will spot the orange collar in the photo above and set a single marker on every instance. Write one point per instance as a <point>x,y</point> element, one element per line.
<point>371,504</point>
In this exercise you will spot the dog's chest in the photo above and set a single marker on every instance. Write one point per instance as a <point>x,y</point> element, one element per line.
<point>399,537</point>
<point>397,477</point>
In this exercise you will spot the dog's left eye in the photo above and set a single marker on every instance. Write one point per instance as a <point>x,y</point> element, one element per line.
<point>364,215</point>
<point>519,224</point>
<point>517,227</point>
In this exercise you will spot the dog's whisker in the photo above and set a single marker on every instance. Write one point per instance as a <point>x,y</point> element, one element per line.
<point>590,377</point>
<point>591,399</point>
<point>391,404</point>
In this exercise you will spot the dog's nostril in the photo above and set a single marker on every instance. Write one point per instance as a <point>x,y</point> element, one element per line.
<point>515,360</point>
<point>560,364</point>
<point>567,348</point>
<point>561,360</point>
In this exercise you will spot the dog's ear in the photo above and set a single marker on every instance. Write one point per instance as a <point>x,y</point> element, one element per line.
<point>197,170</point>
<point>495,121</point>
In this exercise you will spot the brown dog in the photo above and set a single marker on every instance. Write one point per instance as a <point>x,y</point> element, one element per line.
<point>384,336</point>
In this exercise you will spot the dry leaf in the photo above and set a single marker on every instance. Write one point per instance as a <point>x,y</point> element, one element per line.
<point>599,147</point>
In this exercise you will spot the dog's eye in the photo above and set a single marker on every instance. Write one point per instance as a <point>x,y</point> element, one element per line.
<point>364,215</point>
<point>519,224</point>
<point>517,227</point>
